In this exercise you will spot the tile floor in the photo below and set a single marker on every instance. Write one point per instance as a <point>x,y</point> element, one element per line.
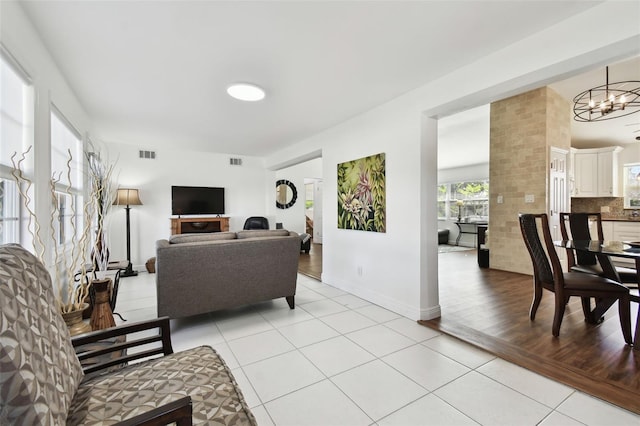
<point>339,360</point>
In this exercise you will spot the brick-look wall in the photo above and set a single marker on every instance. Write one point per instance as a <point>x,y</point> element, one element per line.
<point>523,128</point>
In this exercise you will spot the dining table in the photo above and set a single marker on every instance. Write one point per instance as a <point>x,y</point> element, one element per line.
<point>604,252</point>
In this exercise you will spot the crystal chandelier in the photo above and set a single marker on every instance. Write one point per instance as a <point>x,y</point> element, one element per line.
<point>606,102</point>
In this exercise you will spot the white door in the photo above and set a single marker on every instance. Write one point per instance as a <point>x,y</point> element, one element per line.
<point>558,197</point>
<point>317,212</point>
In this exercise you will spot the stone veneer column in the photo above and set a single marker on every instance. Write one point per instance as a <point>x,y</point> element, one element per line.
<point>523,128</point>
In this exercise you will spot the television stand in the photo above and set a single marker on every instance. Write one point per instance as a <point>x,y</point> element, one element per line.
<point>194,224</point>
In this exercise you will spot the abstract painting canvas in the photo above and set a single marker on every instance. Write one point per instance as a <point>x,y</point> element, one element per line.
<point>362,194</point>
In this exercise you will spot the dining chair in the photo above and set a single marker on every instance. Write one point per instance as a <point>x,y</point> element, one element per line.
<point>548,274</point>
<point>584,261</point>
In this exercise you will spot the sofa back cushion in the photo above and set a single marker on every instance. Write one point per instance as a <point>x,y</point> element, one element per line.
<point>196,238</point>
<point>261,233</point>
<point>40,370</point>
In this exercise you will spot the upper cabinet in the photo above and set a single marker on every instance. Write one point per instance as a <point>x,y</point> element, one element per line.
<point>595,172</point>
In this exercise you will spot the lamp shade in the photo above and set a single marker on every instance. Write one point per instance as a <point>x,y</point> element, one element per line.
<point>127,197</point>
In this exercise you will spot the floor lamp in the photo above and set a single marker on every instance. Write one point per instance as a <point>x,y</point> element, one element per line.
<point>128,197</point>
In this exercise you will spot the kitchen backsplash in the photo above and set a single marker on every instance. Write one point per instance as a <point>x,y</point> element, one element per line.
<point>593,205</point>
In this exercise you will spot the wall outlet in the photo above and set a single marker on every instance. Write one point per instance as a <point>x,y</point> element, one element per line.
<point>500,199</point>
<point>529,198</point>
<point>605,209</point>
<point>359,271</point>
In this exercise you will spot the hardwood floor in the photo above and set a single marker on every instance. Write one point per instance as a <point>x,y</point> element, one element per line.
<point>311,264</point>
<point>490,309</point>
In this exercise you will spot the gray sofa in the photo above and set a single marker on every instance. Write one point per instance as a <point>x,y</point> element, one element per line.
<point>199,273</point>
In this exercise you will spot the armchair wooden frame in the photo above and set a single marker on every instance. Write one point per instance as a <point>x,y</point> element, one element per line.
<point>548,274</point>
<point>118,353</point>
<point>587,262</point>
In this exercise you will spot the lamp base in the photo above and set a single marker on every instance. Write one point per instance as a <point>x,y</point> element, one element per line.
<point>129,272</point>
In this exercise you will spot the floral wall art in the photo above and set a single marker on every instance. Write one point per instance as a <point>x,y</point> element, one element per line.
<point>362,194</point>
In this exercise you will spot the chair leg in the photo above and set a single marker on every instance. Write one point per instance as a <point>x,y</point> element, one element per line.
<point>537,297</point>
<point>558,315</point>
<point>624,311</point>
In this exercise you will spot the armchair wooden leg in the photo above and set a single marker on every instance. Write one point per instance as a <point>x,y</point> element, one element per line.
<point>537,297</point>
<point>558,316</point>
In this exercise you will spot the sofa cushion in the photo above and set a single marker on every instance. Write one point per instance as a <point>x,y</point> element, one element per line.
<point>40,370</point>
<point>260,233</point>
<point>195,238</point>
<point>136,389</point>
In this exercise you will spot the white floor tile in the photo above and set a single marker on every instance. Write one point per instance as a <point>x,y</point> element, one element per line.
<point>336,355</point>
<point>195,333</point>
<point>380,340</point>
<point>377,313</point>
<point>319,404</point>
<point>259,346</point>
<point>459,351</point>
<point>412,329</point>
<point>533,385</point>
<point>226,354</point>
<point>250,395</point>
<point>429,369</point>
<point>428,410</point>
<point>280,375</point>
<point>244,325</point>
<point>262,417</point>
<point>351,301</point>
<point>348,321</point>
<point>304,296</point>
<point>559,419</point>
<point>378,389</point>
<point>284,317</point>
<point>323,308</point>
<point>307,332</point>
<point>594,412</point>
<point>329,291</point>
<point>489,402</point>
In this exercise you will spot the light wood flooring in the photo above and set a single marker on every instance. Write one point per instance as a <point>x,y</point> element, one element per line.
<point>311,264</point>
<point>490,309</point>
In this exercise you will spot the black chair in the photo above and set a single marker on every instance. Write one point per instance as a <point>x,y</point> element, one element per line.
<point>587,262</point>
<point>548,275</point>
<point>256,222</point>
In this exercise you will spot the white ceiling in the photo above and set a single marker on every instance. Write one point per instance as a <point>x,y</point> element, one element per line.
<point>154,73</point>
<point>463,138</point>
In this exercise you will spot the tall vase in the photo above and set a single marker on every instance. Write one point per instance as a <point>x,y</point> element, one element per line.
<point>101,316</point>
<point>74,321</point>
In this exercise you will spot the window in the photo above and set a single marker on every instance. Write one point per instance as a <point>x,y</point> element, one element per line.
<point>631,182</point>
<point>16,112</point>
<point>67,159</point>
<point>463,199</point>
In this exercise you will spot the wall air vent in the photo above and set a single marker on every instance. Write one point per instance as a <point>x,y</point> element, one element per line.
<point>235,161</point>
<point>149,155</point>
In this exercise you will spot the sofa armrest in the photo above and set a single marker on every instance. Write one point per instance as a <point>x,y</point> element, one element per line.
<point>179,412</point>
<point>109,347</point>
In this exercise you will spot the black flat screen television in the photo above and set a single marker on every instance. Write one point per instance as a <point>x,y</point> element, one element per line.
<point>189,200</point>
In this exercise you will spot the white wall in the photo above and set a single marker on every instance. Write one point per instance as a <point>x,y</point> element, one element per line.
<point>400,266</point>
<point>293,218</point>
<point>246,193</point>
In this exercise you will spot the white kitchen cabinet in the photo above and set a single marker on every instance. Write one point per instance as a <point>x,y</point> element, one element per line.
<point>622,231</point>
<point>595,172</point>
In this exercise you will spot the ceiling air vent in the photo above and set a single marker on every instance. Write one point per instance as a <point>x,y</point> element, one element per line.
<point>235,161</point>
<point>149,155</point>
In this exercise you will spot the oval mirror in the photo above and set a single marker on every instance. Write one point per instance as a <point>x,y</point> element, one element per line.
<point>286,194</point>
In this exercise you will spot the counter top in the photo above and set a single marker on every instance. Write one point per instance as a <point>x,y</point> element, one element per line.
<point>621,219</point>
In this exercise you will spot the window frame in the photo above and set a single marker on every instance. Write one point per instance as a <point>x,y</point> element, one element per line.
<point>447,201</point>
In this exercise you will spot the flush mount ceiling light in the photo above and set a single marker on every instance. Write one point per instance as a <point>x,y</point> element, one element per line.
<point>246,92</point>
<point>606,102</point>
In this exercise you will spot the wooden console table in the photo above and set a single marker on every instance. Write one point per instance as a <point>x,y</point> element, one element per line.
<point>190,224</point>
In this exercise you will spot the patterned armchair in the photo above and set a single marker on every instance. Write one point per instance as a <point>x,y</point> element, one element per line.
<point>43,381</point>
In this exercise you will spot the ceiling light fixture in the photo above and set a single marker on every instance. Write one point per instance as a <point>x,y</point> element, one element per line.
<point>606,102</point>
<point>246,92</point>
